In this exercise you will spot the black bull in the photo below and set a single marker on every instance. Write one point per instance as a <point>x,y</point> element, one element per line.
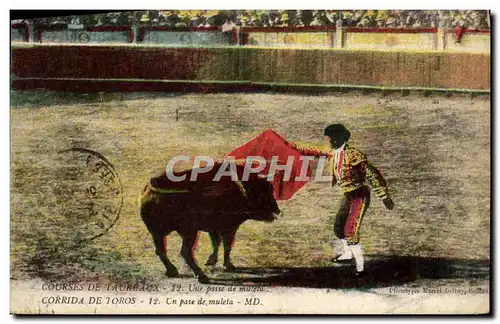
<point>216,207</point>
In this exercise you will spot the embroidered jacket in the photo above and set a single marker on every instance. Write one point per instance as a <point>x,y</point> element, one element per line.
<point>352,172</point>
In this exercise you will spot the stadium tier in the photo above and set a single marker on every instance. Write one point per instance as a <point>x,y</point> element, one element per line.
<point>474,19</point>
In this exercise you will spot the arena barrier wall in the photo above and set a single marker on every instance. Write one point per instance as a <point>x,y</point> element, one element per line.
<point>43,64</point>
<point>438,39</point>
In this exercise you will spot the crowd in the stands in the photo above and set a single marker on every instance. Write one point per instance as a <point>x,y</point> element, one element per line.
<point>471,19</point>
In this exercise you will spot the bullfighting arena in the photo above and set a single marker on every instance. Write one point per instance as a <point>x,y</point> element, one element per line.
<point>434,151</point>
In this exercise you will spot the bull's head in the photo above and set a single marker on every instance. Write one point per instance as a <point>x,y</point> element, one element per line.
<point>261,199</point>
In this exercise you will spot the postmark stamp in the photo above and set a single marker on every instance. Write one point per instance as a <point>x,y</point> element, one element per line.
<point>102,190</point>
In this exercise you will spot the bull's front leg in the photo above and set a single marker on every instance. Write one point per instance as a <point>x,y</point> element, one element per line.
<point>188,243</point>
<point>228,241</point>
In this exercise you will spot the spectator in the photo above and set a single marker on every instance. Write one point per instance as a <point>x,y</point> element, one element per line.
<point>211,18</point>
<point>228,26</point>
<point>298,19</point>
<point>306,17</point>
<point>382,16</point>
<point>264,20</point>
<point>161,20</point>
<point>391,23</point>
<point>253,19</point>
<point>291,15</point>
<point>193,18</point>
<point>417,21</point>
<point>202,21</point>
<point>364,23</point>
<point>477,21</point>
<point>58,21</point>
<point>183,20</point>
<point>125,19</point>
<point>144,19</point>
<point>368,20</point>
<point>173,18</point>
<point>332,17</point>
<point>284,20</point>
<point>317,21</point>
<point>244,21</point>
<point>275,18</point>
<point>432,22</point>
<point>89,20</point>
<point>99,20</point>
<point>75,20</point>
<point>443,19</point>
<point>113,18</point>
<point>358,15</point>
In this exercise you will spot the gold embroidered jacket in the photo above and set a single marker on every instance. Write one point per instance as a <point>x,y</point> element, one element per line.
<point>355,168</point>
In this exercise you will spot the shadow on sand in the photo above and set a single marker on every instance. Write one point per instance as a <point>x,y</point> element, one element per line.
<point>381,272</point>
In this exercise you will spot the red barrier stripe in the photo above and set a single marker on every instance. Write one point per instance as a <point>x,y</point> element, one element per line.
<point>391,30</point>
<point>469,31</point>
<point>108,28</point>
<point>181,29</point>
<point>42,28</point>
<point>288,29</point>
<point>19,25</point>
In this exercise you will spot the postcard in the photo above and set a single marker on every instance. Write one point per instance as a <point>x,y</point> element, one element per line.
<point>251,162</point>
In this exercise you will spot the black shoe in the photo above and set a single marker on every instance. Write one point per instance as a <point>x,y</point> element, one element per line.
<point>336,260</point>
<point>360,274</point>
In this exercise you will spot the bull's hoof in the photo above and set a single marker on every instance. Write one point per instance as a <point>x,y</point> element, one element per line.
<point>229,268</point>
<point>172,273</point>
<point>203,279</point>
<point>211,261</point>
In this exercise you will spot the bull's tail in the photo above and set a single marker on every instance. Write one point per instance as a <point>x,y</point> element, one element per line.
<point>154,189</point>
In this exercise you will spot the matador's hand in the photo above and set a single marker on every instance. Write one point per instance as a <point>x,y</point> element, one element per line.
<point>389,204</point>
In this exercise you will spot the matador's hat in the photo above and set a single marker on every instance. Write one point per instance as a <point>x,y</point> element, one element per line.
<point>337,130</point>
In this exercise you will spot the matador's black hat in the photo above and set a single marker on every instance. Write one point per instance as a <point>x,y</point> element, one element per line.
<point>337,130</point>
